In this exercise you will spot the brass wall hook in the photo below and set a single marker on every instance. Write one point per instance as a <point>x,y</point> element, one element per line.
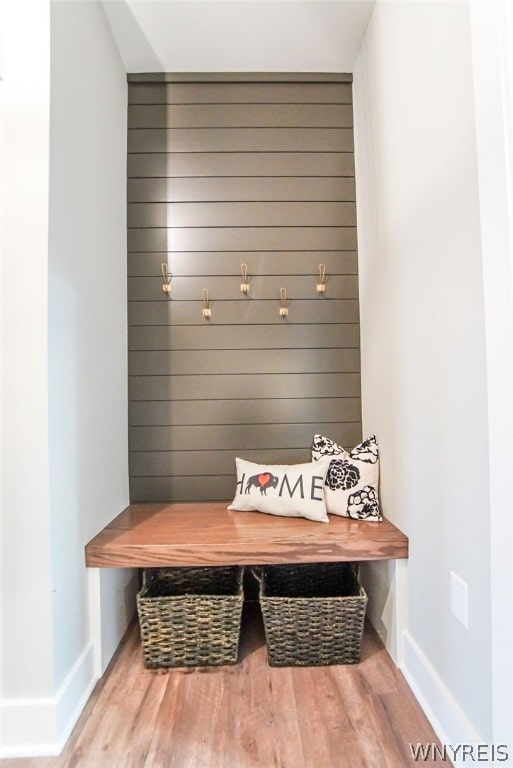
<point>321,285</point>
<point>244,286</point>
<point>166,274</point>
<point>283,303</point>
<point>207,312</point>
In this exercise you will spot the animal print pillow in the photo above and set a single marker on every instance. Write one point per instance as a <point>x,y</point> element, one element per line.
<point>293,490</point>
<point>351,484</point>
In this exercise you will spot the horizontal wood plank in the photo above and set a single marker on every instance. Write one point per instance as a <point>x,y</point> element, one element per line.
<point>263,312</point>
<point>240,140</point>
<point>145,464</point>
<point>237,437</point>
<point>235,78</point>
<point>234,164</point>
<point>248,411</point>
<point>260,287</point>
<point>203,264</point>
<point>154,535</point>
<point>227,188</point>
<point>240,116</point>
<point>240,93</point>
<point>247,214</point>
<point>276,385</point>
<point>243,239</point>
<point>213,487</point>
<point>300,336</point>
<point>243,361</point>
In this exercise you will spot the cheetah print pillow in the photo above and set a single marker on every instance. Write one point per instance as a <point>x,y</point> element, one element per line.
<point>351,484</point>
<point>292,490</point>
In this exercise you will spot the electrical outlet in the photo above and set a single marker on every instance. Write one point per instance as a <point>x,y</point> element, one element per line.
<point>459,599</point>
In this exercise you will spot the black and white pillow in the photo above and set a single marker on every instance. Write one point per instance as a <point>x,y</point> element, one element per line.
<point>351,484</point>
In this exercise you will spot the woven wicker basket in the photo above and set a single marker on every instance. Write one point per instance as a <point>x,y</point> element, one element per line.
<point>190,617</point>
<point>313,614</point>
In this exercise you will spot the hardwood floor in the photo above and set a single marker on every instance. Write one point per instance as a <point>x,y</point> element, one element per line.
<point>246,716</point>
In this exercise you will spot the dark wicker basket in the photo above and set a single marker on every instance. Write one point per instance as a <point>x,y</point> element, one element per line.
<point>313,614</point>
<point>190,617</point>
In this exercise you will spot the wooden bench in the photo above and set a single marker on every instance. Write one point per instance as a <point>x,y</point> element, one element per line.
<point>188,534</point>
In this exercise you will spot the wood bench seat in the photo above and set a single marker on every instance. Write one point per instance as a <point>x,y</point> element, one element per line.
<point>176,534</point>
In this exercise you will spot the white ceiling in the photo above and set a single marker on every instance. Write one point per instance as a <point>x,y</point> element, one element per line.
<point>238,35</point>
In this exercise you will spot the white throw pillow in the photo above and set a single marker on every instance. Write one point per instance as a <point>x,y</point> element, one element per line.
<point>352,480</point>
<point>292,490</point>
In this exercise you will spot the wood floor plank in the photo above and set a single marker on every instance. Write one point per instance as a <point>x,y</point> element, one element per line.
<point>367,736</point>
<point>248,715</point>
<point>160,744</point>
<point>375,674</point>
<point>286,732</point>
<point>251,717</point>
<point>326,731</point>
<point>404,727</point>
<point>120,728</point>
<point>190,733</point>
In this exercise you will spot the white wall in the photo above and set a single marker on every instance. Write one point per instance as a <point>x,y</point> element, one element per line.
<point>241,36</point>
<point>64,342</point>
<point>492,58</point>
<point>26,594</point>
<point>424,387</point>
<point>87,322</point>
<point>87,303</point>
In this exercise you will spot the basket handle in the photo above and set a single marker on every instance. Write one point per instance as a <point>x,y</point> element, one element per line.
<point>258,575</point>
<point>148,575</point>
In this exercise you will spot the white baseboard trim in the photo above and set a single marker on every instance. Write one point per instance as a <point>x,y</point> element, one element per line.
<point>447,719</point>
<point>41,727</point>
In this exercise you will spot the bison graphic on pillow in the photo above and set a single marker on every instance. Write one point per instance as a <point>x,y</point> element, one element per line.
<point>263,481</point>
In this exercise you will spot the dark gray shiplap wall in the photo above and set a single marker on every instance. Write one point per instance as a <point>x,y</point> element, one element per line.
<point>221,173</point>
